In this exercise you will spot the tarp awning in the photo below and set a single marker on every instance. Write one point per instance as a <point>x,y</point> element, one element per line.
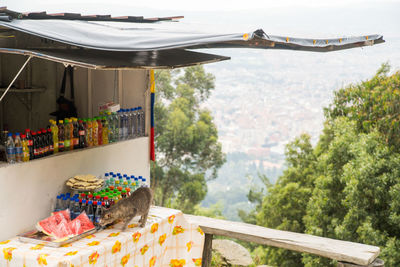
<point>116,36</point>
<point>106,60</point>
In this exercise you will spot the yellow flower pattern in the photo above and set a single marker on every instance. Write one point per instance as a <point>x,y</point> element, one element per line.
<point>177,263</point>
<point>161,239</point>
<point>93,258</point>
<point>71,253</point>
<point>90,236</point>
<point>4,242</point>
<point>154,228</point>
<point>197,262</point>
<point>113,234</point>
<point>93,243</point>
<point>152,261</point>
<point>37,247</point>
<point>171,219</point>
<point>116,248</point>
<point>136,236</point>
<point>200,231</point>
<point>125,259</point>
<point>144,249</point>
<point>42,259</point>
<point>189,245</point>
<point>8,253</point>
<point>133,225</point>
<point>178,230</point>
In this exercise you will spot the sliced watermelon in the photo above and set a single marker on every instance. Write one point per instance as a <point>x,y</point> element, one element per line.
<point>62,230</point>
<point>47,225</point>
<point>62,214</point>
<point>86,223</point>
<point>76,227</point>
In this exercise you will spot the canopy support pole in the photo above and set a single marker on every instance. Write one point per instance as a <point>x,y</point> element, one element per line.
<point>16,76</point>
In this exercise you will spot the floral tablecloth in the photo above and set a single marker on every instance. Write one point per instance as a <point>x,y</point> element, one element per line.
<point>167,240</point>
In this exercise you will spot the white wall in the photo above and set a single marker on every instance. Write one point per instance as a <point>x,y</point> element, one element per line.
<point>28,190</point>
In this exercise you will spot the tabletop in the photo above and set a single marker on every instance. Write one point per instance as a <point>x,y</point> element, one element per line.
<point>166,240</point>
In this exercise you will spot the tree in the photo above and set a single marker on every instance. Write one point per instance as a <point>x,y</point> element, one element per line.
<point>347,186</point>
<point>187,148</point>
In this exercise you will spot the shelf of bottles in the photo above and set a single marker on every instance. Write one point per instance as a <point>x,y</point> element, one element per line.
<point>73,133</point>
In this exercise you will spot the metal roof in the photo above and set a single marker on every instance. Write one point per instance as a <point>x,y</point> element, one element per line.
<point>114,34</point>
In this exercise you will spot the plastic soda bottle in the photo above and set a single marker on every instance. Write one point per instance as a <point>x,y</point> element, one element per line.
<point>95,132</point>
<point>58,203</point>
<point>75,210</point>
<point>30,142</point>
<point>54,130</point>
<point>67,135</point>
<point>99,212</point>
<point>106,130</point>
<point>89,211</point>
<point>71,134</point>
<point>61,136</point>
<point>10,149</point>
<point>25,149</point>
<point>89,133</point>
<point>75,132</point>
<point>100,131</point>
<point>18,148</point>
<point>81,133</point>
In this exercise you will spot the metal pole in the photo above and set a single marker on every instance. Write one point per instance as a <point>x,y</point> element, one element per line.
<point>16,76</point>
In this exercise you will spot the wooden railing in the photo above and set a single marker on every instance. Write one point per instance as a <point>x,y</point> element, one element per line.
<point>348,254</point>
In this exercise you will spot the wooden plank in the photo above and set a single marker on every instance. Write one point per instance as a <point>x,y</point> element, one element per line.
<point>207,251</point>
<point>375,263</point>
<point>326,247</point>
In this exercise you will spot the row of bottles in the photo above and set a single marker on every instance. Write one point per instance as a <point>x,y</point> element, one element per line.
<point>73,133</point>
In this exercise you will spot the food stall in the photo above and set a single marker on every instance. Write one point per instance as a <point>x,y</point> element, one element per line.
<point>114,59</point>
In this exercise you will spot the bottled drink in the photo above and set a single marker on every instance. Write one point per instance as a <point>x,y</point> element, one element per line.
<point>89,133</point>
<point>90,211</point>
<point>120,125</point>
<point>128,115</point>
<point>30,142</point>
<point>54,130</point>
<point>95,132</point>
<point>106,130</point>
<point>71,205</point>
<point>99,212</point>
<point>18,148</point>
<point>58,204</point>
<point>71,134</point>
<point>50,141</point>
<point>45,141</point>
<point>140,122</point>
<point>75,210</point>
<point>99,130</point>
<point>25,149</point>
<point>61,136</point>
<point>75,132</point>
<point>83,206</point>
<point>35,146</point>
<point>81,133</point>
<point>115,126</point>
<point>67,135</point>
<point>10,149</point>
<point>110,129</point>
<point>107,202</point>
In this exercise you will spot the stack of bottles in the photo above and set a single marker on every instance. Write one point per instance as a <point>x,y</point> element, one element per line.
<point>73,133</point>
<point>116,187</point>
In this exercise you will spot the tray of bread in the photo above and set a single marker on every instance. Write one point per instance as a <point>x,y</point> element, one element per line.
<point>85,182</point>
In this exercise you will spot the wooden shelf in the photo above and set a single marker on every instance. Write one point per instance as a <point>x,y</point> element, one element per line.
<point>31,90</point>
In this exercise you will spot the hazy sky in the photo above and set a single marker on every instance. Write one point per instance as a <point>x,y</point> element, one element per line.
<point>203,5</point>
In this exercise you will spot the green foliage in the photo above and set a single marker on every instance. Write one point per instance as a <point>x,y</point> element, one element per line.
<point>348,186</point>
<point>187,148</point>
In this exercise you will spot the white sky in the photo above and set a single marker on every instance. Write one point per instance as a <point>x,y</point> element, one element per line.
<point>184,5</point>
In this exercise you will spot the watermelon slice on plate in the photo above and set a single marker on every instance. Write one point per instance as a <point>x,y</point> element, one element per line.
<point>75,227</point>
<point>62,230</point>
<point>63,214</point>
<point>86,223</point>
<point>47,225</point>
